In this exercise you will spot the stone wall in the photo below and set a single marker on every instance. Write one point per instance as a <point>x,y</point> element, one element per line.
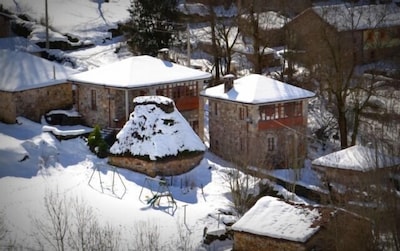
<point>7,107</point>
<point>99,114</point>
<point>338,230</point>
<point>110,105</point>
<point>245,241</point>
<point>356,178</point>
<point>169,167</point>
<point>318,40</point>
<point>34,103</point>
<point>235,136</point>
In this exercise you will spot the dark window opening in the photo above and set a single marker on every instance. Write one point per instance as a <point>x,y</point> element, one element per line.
<point>93,100</point>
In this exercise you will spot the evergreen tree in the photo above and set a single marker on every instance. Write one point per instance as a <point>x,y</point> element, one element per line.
<point>152,25</point>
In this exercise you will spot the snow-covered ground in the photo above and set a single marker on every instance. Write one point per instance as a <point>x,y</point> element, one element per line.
<point>34,162</point>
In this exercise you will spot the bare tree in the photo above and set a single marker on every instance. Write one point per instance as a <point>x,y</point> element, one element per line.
<point>64,228</point>
<point>183,241</point>
<point>86,233</point>
<point>147,237</point>
<point>54,225</point>
<point>260,31</point>
<point>335,59</point>
<point>227,36</point>
<point>243,188</point>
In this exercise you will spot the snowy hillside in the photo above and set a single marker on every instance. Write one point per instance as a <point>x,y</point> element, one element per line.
<point>87,21</point>
<point>77,23</point>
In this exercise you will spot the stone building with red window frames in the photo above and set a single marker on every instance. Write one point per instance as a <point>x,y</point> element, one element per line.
<point>258,121</point>
<point>354,33</point>
<point>104,95</point>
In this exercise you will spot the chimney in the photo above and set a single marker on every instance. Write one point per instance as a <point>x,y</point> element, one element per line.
<point>163,54</point>
<point>228,82</point>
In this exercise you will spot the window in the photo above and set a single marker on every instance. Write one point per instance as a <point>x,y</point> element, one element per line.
<point>242,113</point>
<point>267,112</point>
<point>270,112</point>
<point>93,100</point>
<point>195,125</point>
<point>178,90</point>
<point>298,109</point>
<point>281,111</point>
<point>271,144</point>
<point>215,108</point>
<point>243,145</point>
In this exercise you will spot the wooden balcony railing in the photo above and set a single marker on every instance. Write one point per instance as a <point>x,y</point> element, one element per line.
<point>278,123</point>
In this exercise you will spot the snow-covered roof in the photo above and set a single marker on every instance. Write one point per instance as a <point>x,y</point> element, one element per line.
<point>258,89</point>
<point>358,158</point>
<point>139,71</point>
<point>203,10</point>
<point>18,43</point>
<point>348,17</point>
<point>278,219</point>
<point>269,20</point>
<point>156,132</point>
<point>22,71</point>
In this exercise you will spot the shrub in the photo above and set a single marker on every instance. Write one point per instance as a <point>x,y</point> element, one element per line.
<point>97,144</point>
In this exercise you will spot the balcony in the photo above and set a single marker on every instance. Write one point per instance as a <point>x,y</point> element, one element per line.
<point>187,103</point>
<point>280,123</point>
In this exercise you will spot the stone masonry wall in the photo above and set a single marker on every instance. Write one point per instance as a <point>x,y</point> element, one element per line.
<point>153,168</point>
<point>245,241</point>
<point>97,115</point>
<point>237,138</point>
<point>7,107</point>
<point>34,103</point>
<point>110,105</point>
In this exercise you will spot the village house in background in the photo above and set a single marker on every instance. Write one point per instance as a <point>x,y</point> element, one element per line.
<point>366,33</point>
<point>31,86</point>
<point>357,168</point>
<point>281,225</point>
<point>104,95</point>
<point>258,121</point>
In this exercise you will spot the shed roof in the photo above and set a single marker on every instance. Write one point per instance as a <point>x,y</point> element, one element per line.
<point>278,219</point>
<point>258,89</point>
<point>21,71</point>
<point>357,158</point>
<point>139,71</point>
<point>360,17</point>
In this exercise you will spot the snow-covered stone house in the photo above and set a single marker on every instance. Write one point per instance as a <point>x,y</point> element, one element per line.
<point>273,224</point>
<point>104,95</point>
<point>259,121</point>
<point>356,166</point>
<point>31,86</point>
<point>363,33</point>
<point>157,140</point>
